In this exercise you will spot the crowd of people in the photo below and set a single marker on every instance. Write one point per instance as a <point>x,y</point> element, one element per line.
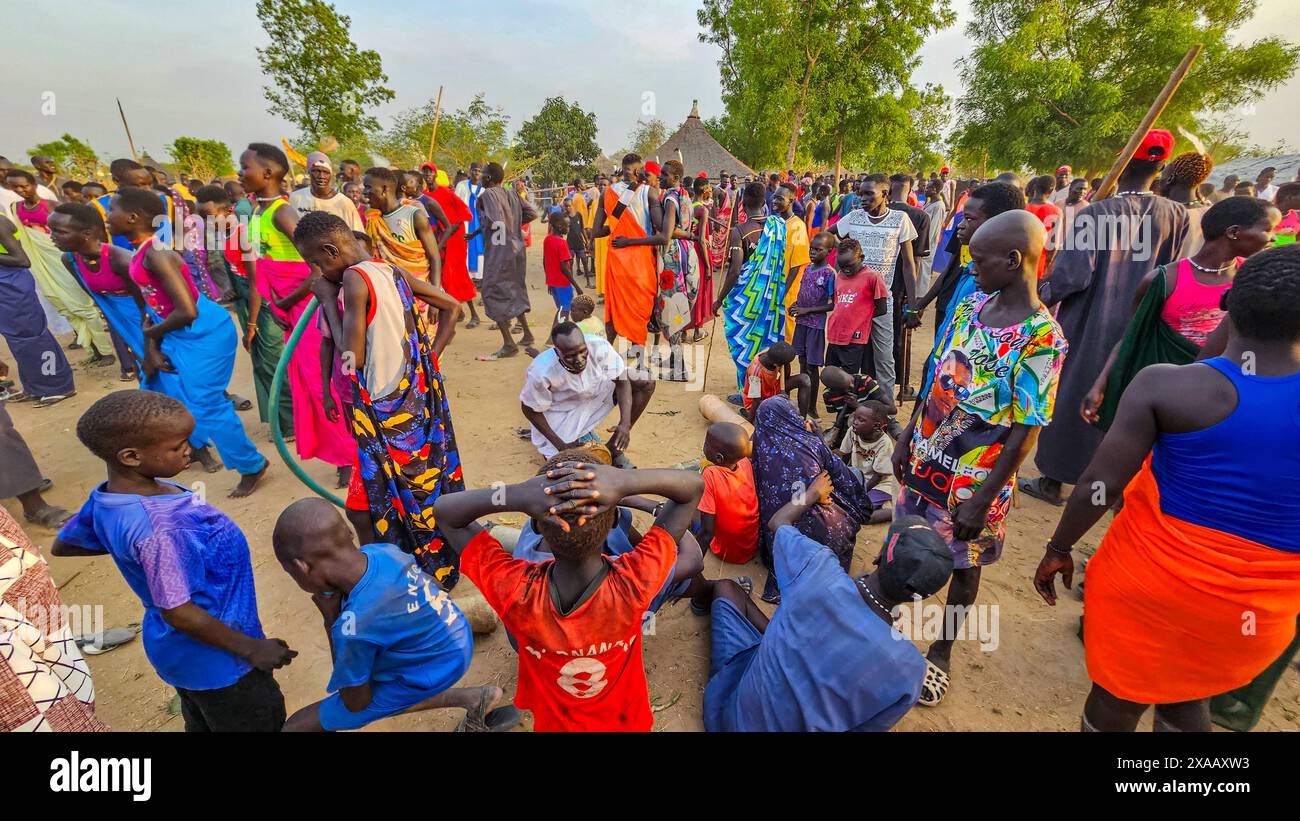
<point>1049,294</point>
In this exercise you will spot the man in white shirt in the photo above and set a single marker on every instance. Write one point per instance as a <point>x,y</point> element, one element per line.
<point>1264,187</point>
<point>1062,191</point>
<point>886,238</point>
<point>570,389</point>
<point>321,196</point>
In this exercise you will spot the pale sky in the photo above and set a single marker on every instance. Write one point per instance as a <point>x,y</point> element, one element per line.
<point>190,69</point>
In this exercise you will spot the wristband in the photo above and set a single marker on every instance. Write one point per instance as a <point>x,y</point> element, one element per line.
<point>1051,545</point>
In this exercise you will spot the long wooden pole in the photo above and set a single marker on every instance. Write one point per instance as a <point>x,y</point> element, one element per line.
<point>433,135</point>
<point>134,155</point>
<point>1153,113</point>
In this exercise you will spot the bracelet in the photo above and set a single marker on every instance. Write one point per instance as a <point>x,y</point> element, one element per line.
<point>1051,545</point>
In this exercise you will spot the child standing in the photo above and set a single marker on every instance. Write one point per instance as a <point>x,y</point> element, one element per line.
<point>577,236</point>
<point>729,506</point>
<point>398,642</point>
<point>406,447</point>
<point>814,301</point>
<point>860,296</point>
<point>557,261</point>
<point>577,618</point>
<point>186,560</point>
<point>867,448</point>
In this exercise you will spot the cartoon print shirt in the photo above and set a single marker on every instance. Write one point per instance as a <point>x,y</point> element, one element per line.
<point>986,379</point>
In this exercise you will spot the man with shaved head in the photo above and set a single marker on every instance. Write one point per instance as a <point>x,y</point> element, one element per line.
<point>992,389</point>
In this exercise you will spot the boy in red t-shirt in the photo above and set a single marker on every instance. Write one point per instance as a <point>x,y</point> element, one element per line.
<point>860,296</point>
<point>729,507</point>
<point>765,375</point>
<point>557,262</point>
<point>577,618</point>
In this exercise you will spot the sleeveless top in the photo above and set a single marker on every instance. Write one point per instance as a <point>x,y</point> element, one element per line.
<point>401,221</point>
<point>156,297</point>
<point>103,281</point>
<point>1193,308</point>
<point>37,217</point>
<point>386,338</point>
<point>1241,475</point>
<point>268,241</point>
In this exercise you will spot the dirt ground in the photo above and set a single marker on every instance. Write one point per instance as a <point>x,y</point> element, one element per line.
<point>1034,680</point>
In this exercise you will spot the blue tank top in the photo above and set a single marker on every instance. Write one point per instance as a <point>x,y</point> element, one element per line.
<point>1242,475</point>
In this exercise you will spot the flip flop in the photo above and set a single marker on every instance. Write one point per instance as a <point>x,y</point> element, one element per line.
<point>1033,487</point>
<point>111,638</point>
<point>128,377</point>
<point>482,720</point>
<point>46,401</point>
<point>934,686</point>
<point>16,396</point>
<point>240,403</point>
<point>496,355</point>
<point>50,516</point>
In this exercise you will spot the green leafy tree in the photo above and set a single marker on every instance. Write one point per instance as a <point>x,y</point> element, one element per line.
<point>476,133</point>
<point>1068,81</point>
<point>321,81</point>
<point>646,137</point>
<point>201,158</point>
<point>71,156</point>
<point>784,61</point>
<point>558,143</point>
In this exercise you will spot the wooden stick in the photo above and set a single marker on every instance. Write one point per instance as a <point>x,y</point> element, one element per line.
<point>134,155</point>
<point>1153,113</point>
<point>433,135</point>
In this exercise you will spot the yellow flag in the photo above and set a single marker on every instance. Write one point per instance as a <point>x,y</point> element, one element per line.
<point>293,156</point>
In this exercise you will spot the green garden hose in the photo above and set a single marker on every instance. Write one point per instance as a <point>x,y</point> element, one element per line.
<point>277,385</point>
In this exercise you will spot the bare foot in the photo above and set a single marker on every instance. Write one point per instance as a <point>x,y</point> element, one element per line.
<point>473,323</point>
<point>203,456</point>
<point>248,482</point>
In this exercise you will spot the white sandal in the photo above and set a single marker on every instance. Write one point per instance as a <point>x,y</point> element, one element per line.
<point>934,686</point>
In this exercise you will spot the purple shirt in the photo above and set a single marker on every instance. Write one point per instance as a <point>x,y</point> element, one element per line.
<point>815,289</point>
<point>174,549</point>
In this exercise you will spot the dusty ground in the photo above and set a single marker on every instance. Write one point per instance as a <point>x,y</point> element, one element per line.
<point>1034,680</point>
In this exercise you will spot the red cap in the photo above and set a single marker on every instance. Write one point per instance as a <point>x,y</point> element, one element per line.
<point>429,167</point>
<point>1157,145</point>
<point>703,175</point>
<point>653,167</point>
<point>1065,169</point>
<point>945,170</point>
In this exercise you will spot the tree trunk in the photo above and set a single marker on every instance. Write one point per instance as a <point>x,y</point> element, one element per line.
<point>839,152</point>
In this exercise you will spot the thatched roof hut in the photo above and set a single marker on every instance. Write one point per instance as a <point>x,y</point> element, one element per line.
<point>698,151</point>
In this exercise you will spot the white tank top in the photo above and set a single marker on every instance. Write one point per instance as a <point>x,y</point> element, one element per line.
<point>387,348</point>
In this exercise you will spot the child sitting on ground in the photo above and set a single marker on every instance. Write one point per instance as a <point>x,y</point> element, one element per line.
<point>399,643</point>
<point>186,560</point>
<point>557,262</point>
<point>577,618</point>
<point>844,392</point>
<point>867,448</point>
<point>729,506</point>
<point>581,311</point>
<point>829,659</point>
<point>765,376</point>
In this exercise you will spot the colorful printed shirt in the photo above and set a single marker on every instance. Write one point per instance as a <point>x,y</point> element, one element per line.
<point>985,380</point>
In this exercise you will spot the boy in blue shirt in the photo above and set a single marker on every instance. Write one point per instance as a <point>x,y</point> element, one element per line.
<point>829,659</point>
<point>398,641</point>
<point>186,560</point>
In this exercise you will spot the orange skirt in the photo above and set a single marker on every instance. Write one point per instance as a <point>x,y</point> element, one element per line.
<point>1179,612</point>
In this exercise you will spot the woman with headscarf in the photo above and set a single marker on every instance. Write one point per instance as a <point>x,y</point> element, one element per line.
<point>789,453</point>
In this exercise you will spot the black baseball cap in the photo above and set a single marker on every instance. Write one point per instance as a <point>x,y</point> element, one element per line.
<point>914,560</point>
